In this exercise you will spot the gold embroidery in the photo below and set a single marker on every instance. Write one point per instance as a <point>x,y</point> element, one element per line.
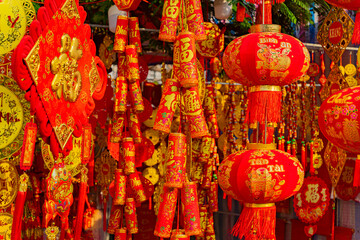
<point>70,9</point>
<point>33,61</point>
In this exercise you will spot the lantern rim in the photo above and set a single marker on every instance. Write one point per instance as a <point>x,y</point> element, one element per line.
<point>261,146</point>
<point>259,205</point>
<point>274,28</point>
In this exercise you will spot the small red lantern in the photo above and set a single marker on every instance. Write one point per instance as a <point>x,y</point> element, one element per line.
<point>259,177</point>
<point>265,61</point>
<point>351,5</point>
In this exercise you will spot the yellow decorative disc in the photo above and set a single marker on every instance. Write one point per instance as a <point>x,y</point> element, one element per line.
<point>15,113</point>
<point>151,174</point>
<point>318,161</point>
<point>6,220</point>
<point>12,24</point>
<point>350,69</point>
<point>151,120</point>
<point>342,70</point>
<point>351,81</point>
<point>152,135</point>
<point>9,182</point>
<point>155,158</point>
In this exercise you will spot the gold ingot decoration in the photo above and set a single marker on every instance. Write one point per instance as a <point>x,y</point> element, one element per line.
<point>9,182</point>
<point>6,220</point>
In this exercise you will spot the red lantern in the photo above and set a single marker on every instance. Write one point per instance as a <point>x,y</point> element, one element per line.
<point>269,59</point>
<point>259,177</point>
<point>351,5</point>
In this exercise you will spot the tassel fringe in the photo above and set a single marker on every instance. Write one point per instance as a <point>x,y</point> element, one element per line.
<point>356,35</point>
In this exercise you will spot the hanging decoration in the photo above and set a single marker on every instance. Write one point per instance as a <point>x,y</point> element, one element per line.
<point>214,42</point>
<point>335,159</point>
<point>10,181</point>
<point>259,177</point>
<point>345,189</point>
<point>311,203</point>
<point>351,5</point>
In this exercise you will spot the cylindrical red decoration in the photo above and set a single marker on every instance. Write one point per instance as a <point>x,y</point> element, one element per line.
<point>203,219</point>
<point>127,5</point>
<point>116,217</point>
<point>351,5</point>
<point>117,128</point>
<point>184,62</point>
<point>357,172</point>
<point>134,33</point>
<point>338,119</point>
<point>209,101</point>
<point>205,149</point>
<point>121,94</point>
<point>136,97</point>
<point>207,175</point>
<point>195,19</point>
<point>86,149</point>
<point>213,197</point>
<point>134,127</point>
<point>169,20</point>
<point>179,234</point>
<point>81,201</point>
<point>213,126</point>
<point>137,187</point>
<point>240,13</point>
<point>166,213</point>
<point>194,112</point>
<point>259,177</point>
<point>130,216</point>
<point>28,149</point>
<point>120,187</point>
<point>120,234</point>
<point>346,189</point>
<point>168,103</point>
<point>210,231</point>
<point>132,63</point>
<point>191,209</point>
<point>128,151</point>
<point>121,34</point>
<point>175,163</point>
<point>265,58</point>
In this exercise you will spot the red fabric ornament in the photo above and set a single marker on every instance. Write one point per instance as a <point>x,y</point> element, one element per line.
<point>144,151</point>
<point>265,58</point>
<point>351,5</point>
<point>214,42</point>
<point>137,187</point>
<point>190,203</point>
<point>28,149</point>
<point>134,33</point>
<point>120,234</point>
<point>240,13</point>
<point>121,34</point>
<point>259,177</point>
<point>116,218</point>
<point>148,110</point>
<point>143,68</point>
<point>312,202</point>
<point>126,5</point>
<point>345,189</point>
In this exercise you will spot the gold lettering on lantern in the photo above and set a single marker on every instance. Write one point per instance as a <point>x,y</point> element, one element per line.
<point>186,53</point>
<point>268,40</point>
<point>275,168</point>
<point>285,45</point>
<point>259,161</point>
<point>338,98</point>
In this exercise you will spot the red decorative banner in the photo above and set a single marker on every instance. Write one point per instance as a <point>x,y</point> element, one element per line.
<point>86,144</point>
<point>28,149</point>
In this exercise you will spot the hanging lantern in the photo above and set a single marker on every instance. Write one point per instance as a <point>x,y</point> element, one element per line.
<point>265,60</point>
<point>259,177</point>
<point>222,9</point>
<point>113,14</point>
<point>351,5</point>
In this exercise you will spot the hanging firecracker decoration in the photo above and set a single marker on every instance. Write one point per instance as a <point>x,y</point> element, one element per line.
<point>259,177</point>
<point>289,60</point>
<point>311,203</point>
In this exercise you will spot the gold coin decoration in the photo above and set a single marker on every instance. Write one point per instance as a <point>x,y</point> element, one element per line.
<point>151,174</point>
<point>105,166</point>
<point>15,113</point>
<point>6,220</point>
<point>350,70</point>
<point>9,182</point>
<point>152,135</point>
<point>351,81</point>
<point>155,158</point>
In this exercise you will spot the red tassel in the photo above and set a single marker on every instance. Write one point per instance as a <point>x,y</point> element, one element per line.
<point>303,155</point>
<point>312,169</point>
<point>104,212</point>
<point>229,203</point>
<point>333,221</point>
<point>264,105</point>
<point>257,221</point>
<point>356,35</point>
<point>81,203</point>
<point>28,149</point>
<point>356,182</point>
<point>19,208</point>
<point>240,13</point>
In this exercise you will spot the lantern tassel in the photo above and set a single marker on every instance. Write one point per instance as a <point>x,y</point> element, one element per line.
<point>303,155</point>
<point>312,169</point>
<point>264,104</point>
<point>19,208</point>
<point>356,35</point>
<point>81,203</point>
<point>257,221</point>
<point>356,182</point>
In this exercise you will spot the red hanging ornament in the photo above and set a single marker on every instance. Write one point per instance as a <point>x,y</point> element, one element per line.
<point>259,177</point>
<point>28,149</point>
<point>240,13</point>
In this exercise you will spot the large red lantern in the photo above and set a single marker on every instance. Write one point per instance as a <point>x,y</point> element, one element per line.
<point>264,61</point>
<point>351,5</point>
<point>259,177</point>
<point>339,121</point>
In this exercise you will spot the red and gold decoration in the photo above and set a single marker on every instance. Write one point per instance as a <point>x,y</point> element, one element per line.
<point>214,42</point>
<point>351,5</point>
<point>278,60</point>
<point>169,20</point>
<point>6,220</point>
<point>194,18</point>
<point>121,34</point>
<point>312,202</point>
<point>259,177</point>
<point>10,181</point>
<point>127,5</point>
<point>344,188</point>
